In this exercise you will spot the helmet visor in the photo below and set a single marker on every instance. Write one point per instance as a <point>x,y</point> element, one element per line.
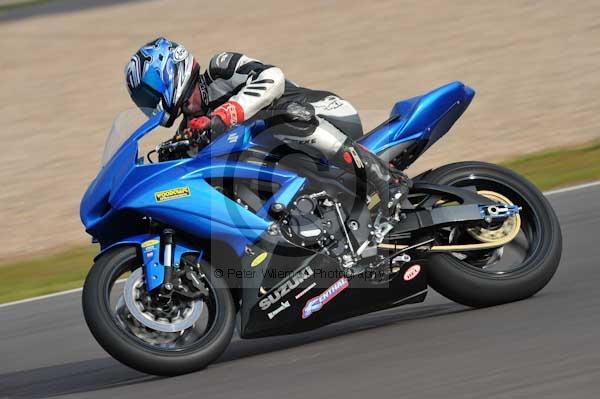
<point>145,97</point>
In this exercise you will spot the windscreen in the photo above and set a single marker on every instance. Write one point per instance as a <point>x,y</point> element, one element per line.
<point>123,126</point>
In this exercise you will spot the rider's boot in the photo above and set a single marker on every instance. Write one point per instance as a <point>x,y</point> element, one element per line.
<point>391,185</point>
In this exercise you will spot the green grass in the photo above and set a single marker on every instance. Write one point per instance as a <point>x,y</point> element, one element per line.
<point>559,168</point>
<point>45,275</point>
<point>67,270</point>
<point>22,4</point>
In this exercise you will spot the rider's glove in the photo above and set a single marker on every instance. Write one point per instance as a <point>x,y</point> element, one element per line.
<point>194,129</point>
<point>221,119</point>
<point>198,125</point>
<point>213,127</point>
<point>231,113</point>
<point>217,127</point>
<point>225,117</point>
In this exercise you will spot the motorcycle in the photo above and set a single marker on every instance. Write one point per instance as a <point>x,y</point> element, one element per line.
<point>243,232</point>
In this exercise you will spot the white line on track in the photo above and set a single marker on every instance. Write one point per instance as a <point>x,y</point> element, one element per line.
<point>38,298</point>
<point>572,188</point>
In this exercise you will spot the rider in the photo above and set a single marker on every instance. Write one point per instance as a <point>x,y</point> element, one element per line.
<point>164,76</point>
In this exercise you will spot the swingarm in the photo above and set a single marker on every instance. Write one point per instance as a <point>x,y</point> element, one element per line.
<point>472,208</point>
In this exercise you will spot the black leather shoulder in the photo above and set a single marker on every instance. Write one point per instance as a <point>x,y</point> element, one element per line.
<point>222,65</point>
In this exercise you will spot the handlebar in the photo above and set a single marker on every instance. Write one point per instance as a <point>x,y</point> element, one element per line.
<point>177,149</point>
<point>170,145</point>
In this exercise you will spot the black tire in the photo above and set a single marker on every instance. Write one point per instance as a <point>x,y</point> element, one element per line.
<point>131,352</point>
<point>468,285</point>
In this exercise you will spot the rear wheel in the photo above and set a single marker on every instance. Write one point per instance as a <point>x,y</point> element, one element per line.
<point>149,333</point>
<point>514,271</point>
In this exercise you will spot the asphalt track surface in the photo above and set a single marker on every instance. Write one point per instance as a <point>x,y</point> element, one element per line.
<point>543,347</point>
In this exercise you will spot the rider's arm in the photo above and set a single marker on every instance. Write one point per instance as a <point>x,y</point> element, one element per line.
<point>254,85</point>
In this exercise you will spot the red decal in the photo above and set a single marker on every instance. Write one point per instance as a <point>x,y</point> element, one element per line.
<point>347,157</point>
<point>230,112</point>
<point>412,272</point>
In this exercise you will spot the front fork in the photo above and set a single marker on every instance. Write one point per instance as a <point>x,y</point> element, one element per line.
<point>181,276</point>
<point>167,239</point>
<point>163,259</point>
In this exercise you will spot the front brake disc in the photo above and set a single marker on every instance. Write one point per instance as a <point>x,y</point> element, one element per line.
<point>135,287</point>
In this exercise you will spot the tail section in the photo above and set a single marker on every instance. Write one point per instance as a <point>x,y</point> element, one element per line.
<point>415,124</point>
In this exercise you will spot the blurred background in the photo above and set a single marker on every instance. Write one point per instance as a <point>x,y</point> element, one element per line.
<point>533,64</point>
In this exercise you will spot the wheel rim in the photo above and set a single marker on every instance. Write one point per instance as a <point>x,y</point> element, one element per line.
<point>185,336</point>
<point>509,228</point>
<point>513,257</point>
<point>179,317</point>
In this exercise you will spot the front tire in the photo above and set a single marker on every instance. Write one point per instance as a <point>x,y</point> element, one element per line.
<point>157,358</point>
<point>473,285</point>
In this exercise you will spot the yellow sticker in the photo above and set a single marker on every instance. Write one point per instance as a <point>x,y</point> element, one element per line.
<point>374,201</point>
<point>149,243</point>
<point>259,259</point>
<point>173,193</point>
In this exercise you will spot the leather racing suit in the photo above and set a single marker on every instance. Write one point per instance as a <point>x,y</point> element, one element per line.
<point>237,88</point>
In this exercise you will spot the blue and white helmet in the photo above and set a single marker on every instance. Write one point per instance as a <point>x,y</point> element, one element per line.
<point>160,76</point>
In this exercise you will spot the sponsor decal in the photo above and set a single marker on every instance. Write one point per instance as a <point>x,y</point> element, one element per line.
<point>259,259</point>
<point>315,304</point>
<point>412,272</point>
<point>357,160</point>
<point>222,60</point>
<point>149,243</point>
<point>171,194</point>
<point>329,103</point>
<point>301,142</point>
<point>231,113</point>
<point>203,90</point>
<point>232,138</point>
<point>285,288</point>
<point>150,248</point>
<point>284,306</point>
<point>180,54</point>
<point>304,291</point>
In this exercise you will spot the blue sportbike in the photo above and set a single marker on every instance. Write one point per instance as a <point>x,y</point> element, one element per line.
<point>198,239</point>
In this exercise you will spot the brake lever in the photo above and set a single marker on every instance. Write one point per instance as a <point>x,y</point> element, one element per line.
<point>172,145</point>
<point>202,138</point>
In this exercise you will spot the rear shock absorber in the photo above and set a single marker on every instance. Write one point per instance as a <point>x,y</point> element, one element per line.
<point>168,247</point>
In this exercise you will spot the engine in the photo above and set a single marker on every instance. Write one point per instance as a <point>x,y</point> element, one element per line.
<point>315,221</point>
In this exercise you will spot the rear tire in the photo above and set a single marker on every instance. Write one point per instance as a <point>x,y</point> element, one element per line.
<point>131,351</point>
<point>468,285</point>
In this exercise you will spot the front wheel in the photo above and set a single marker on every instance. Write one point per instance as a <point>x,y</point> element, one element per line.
<point>153,333</point>
<point>514,271</point>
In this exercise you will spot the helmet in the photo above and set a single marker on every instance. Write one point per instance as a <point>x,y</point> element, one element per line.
<point>160,76</point>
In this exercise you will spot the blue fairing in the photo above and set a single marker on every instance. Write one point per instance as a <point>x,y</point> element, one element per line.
<point>179,193</point>
<point>421,119</point>
<point>238,139</point>
<point>124,188</point>
<point>149,247</point>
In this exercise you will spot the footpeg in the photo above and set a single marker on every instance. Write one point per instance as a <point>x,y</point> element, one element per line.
<point>377,236</point>
<point>381,231</point>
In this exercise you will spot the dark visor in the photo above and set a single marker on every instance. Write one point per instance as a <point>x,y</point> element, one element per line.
<point>145,96</point>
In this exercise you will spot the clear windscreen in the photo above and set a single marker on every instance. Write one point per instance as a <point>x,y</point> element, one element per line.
<point>124,125</point>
